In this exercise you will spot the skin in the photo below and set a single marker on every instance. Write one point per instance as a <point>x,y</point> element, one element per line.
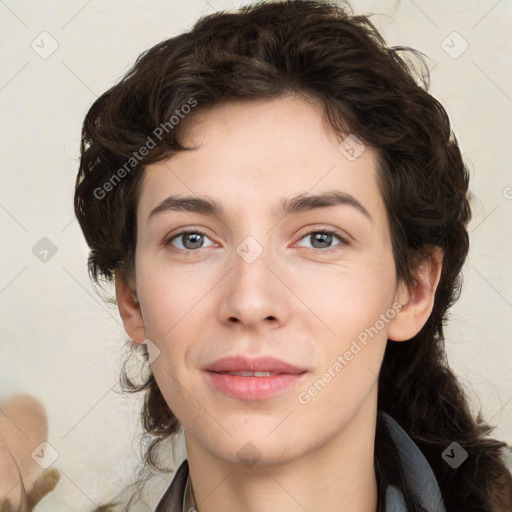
<point>295,302</point>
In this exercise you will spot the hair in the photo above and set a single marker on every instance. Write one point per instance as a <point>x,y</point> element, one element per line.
<point>322,51</point>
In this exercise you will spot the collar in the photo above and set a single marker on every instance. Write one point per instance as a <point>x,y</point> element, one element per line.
<point>418,474</point>
<point>179,496</point>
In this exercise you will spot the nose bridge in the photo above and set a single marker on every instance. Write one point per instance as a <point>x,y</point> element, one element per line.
<point>252,292</point>
<point>251,273</point>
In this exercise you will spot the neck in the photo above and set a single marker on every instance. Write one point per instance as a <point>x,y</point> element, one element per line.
<point>338,476</point>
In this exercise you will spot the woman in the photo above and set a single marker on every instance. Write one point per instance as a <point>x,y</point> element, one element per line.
<point>305,377</point>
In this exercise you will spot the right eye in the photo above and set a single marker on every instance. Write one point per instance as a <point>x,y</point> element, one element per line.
<point>193,239</point>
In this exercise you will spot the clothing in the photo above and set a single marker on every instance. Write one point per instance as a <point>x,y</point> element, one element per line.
<point>179,496</point>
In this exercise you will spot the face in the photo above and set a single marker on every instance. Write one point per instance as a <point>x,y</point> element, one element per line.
<point>265,281</point>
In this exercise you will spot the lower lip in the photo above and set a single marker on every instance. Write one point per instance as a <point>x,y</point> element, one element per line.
<point>252,388</point>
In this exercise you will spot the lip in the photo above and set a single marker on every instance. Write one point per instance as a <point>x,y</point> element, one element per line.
<point>252,388</point>
<point>242,363</point>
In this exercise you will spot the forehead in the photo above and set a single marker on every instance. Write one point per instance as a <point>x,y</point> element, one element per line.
<point>252,154</point>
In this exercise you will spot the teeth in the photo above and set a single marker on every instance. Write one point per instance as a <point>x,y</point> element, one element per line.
<point>250,374</point>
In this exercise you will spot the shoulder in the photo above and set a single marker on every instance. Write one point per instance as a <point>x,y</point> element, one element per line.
<point>419,475</point>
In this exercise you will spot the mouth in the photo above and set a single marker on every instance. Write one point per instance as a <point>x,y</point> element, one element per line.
<point>252,379</point>
<point>253,374</point>
<point>244,366</point>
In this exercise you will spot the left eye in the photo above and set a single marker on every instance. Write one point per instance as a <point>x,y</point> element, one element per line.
<point>324,237</point>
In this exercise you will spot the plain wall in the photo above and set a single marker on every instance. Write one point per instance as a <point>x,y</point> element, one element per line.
<point>62,344</point>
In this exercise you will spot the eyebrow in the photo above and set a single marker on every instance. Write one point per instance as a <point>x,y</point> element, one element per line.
<point>286,206</point>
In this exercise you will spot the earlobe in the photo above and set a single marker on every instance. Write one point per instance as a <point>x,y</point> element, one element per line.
<point>417,299</point>
<point>129,308</point>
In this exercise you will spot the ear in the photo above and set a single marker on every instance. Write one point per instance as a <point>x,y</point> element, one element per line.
<point>129,308</point>
<point>417,299</point>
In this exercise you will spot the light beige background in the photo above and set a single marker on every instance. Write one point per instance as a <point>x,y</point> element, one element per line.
<point>61,343</point>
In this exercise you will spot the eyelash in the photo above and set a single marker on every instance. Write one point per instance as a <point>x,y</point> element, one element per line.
<point>343,240</point>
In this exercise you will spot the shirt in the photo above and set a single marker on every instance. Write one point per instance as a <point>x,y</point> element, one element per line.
<point>179,496</point>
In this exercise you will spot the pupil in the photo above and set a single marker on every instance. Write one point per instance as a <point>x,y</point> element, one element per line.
<point>323,236</point>
<point>195,244</point>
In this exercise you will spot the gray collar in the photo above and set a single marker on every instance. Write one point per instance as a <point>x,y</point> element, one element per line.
<point>179,496</point>
<point>417,471</point>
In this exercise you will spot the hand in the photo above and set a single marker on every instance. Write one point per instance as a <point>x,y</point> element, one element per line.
<point>23,427</point>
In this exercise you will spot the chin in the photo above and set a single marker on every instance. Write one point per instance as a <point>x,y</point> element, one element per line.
<point>251,449</point>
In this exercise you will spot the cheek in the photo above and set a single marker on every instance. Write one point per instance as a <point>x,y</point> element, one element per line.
<point>351,354</point>
<point>347,299</point>
<point>173,308</point>
<point>355,304</point>
<point>167,296</point>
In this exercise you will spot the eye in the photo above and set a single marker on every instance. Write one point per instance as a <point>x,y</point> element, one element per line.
<point>323,238</point>
<point>192,240</point>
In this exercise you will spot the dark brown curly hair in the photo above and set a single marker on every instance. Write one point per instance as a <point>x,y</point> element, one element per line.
<point>323,51</point>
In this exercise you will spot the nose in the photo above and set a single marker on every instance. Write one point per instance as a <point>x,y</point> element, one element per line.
<point>254,294</point>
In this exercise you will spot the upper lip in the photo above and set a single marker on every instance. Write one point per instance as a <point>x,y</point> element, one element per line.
<point>242,363</point>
